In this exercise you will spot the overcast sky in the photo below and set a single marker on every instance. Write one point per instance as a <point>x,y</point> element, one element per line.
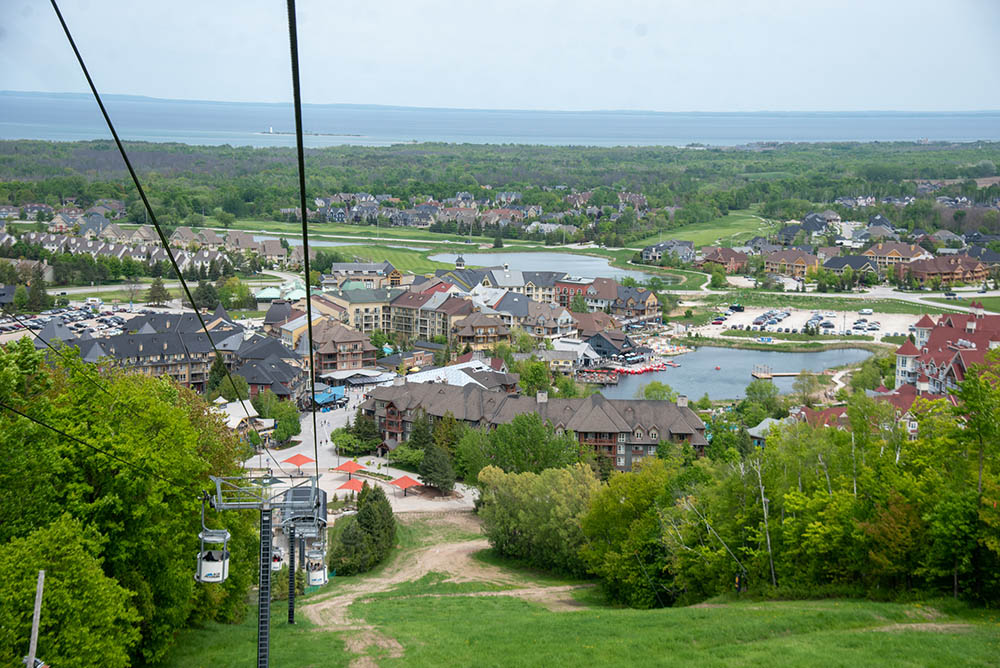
<point>663,55</point>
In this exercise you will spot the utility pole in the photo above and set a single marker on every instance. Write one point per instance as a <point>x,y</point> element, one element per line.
<point>33,645</point>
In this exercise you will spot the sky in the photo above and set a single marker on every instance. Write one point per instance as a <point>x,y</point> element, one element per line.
<point>657,55</point>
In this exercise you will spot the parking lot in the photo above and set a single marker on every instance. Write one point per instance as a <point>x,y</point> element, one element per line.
<point>97,321</point>
<point>838,323</point>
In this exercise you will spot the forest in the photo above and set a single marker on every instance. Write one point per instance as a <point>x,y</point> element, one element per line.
<point>190,184</point>
<point>107,499</point>
<point>818,512</point>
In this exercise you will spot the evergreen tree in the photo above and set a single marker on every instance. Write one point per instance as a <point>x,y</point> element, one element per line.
<point>365,429</point>
<point>38,297</point>
<point>353,551</point>
<point>436,470</point>
<point>376,519</point>
<point>447,431</point>
<point>205,296</point>
<point>157,294</point>
<point>215,375</point>
<point>420,435</point>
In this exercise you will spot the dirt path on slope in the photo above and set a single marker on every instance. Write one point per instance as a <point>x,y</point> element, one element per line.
<point>330,612</point>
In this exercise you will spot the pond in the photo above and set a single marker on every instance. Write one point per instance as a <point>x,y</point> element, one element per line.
<point>698,375</point>
<point>587,266</point>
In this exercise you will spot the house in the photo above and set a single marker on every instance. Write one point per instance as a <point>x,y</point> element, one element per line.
<point>611,343</point>
<point>210,239</point>
<point>113,234</point>
<point>408,359</point>
<point>790,262</point>
<point>93,225</point>
<point>240,242</point>
<point>732,262</point>
<point>787,234</point>
<point>183,237</point>
<point>623,430</point>
<point>759,433</point>
<point>824,253</point>
<point>858,264</point>
<point>283,379</point>
<point>61,224</point>
<point>273,251</point>
<point>985,255</point>
<point>437,316</point>
<point>480,331</point>
<point>957,268</point>
<point>888,253</point>
<point>542,321</point>
<point>297,257</point>
<point>683,251</point>
<point>588,324</point>
<point>143,234</point>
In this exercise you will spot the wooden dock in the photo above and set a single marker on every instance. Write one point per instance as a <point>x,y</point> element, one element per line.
<point>763,371</point>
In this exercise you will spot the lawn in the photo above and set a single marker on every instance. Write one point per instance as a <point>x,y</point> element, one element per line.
<point>989,303</point>
<point>438,621</point>
<point>401,258</point>
<point>785,336</point>
<point>367,231</point>
<point>505,631</point>
<point>731,230</point>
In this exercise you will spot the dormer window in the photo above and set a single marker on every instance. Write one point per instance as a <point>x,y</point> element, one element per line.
<point>638,434</point>
<point>653,435</point>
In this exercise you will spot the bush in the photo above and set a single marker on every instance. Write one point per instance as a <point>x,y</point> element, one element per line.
<point>406,457</point>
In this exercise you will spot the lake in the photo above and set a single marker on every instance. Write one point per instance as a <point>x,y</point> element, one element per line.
<point>697,374</point>
<point>75,117</point>
<point>587,266</point>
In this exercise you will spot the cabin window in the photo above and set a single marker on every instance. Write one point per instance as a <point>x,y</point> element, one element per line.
<point>621,461</point>
<point>653,435</point>
<point>621,449</point>
<point>638,433</point>
<point>559,431</point>
<point>621,437</point>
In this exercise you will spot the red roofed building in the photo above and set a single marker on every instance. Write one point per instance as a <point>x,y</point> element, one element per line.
<point>946,349</point>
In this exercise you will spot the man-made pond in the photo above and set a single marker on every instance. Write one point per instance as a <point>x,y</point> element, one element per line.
<point>313,243</point>
<point>587,266</point>
<point>697,374</point>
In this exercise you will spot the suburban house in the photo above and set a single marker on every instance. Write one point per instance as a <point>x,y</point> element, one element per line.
<point>732,262</point>
<point>623,430</point>
<point>368,274</point>
<point>183,237</point>
<point>681,250</point>
<point>542,321</point>
<point>272,251</point>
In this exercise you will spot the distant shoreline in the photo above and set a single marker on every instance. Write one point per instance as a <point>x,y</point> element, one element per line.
<point>311,134</point>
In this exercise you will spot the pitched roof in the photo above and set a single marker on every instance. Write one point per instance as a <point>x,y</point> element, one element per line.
<point>907,349</point>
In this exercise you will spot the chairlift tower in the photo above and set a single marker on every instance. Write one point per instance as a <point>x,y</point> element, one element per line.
<point>295,497</point>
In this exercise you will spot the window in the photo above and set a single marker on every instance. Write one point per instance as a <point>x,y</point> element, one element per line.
<point>621,449</point>
<point>621,461</point>
<point>653,435</point>
<point>559,431</point>
<point>638,433</point>
<point>621,437</point>
<point>652,450</point>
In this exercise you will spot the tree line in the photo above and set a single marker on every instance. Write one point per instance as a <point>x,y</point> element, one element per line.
<point>819,511</point>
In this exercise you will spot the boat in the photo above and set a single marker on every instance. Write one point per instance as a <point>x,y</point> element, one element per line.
<point>718,368</point>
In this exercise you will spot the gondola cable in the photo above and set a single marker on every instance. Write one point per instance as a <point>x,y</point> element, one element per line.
<point>149,208</point>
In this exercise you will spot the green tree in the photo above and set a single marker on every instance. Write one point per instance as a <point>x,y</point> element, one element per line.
<point>420,434</point>
<point>436,470</point>
<point>20,298</point>
<point>578,304</point>
<point>535,377</point>
<point>447,432</point>
<point>215,374</point>
<point>537,517</point>
<point>376,519</point>
<point>88,618</point>
<point>232,388</point>
<point>205,296</point>
<point>498,241</point>
<point>658,391</point>
<point>365,429</point>
<point>805,387</point>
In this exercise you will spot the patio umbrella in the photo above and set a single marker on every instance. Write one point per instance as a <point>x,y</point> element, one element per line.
<point>354,485</point>
<point>298,461</point>
<point>405,483</point>
<point>350,466</point>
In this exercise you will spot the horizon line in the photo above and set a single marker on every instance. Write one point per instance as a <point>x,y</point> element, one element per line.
<point>508,110</point>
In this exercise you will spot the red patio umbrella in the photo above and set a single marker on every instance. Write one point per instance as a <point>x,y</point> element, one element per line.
<point>405,483</point>
<point>298,461</point>
<point>354,485</point>
<point>350,466</point>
